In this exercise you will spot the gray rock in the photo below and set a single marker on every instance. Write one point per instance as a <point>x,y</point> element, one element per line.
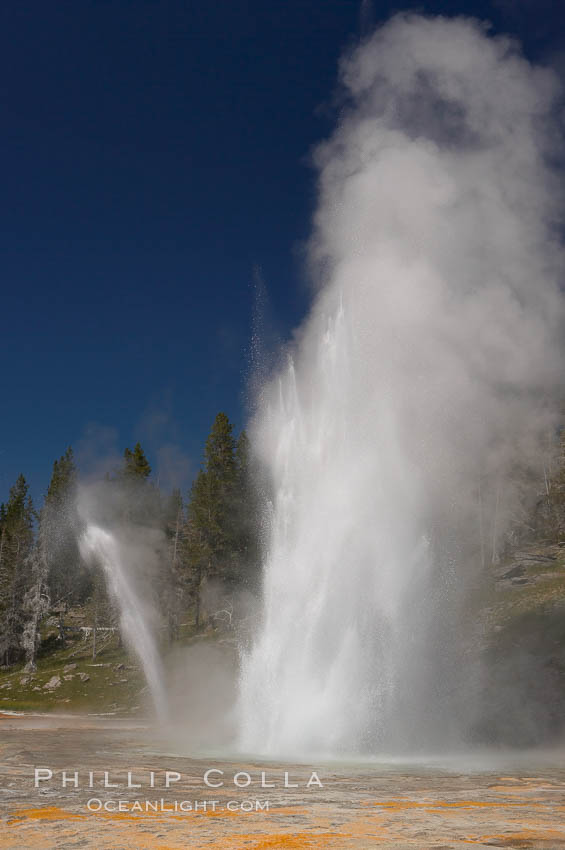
<point>53,683</point>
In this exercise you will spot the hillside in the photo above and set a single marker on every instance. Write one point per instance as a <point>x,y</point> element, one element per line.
<point>69,679</point>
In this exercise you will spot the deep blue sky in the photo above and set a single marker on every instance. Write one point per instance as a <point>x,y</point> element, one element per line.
<point>153,154</point>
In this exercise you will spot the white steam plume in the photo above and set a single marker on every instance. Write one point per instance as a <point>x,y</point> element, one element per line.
<point>420,389</point>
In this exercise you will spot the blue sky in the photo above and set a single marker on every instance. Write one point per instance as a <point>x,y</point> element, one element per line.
<point>154,156</point>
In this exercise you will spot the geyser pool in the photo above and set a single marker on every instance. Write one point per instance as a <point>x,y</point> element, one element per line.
<point>415,399</point>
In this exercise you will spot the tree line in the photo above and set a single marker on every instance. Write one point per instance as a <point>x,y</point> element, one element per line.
<point>210,537</point>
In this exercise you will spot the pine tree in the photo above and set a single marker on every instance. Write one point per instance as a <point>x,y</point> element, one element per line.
<point>199,536</point>
<point>212,497</point>
<point>246,512</point>
<point>57,574</point>
<point>16,535</point>
<point>220,538</point>
<point>36,601</point>
<point>221,484</point>
<point>219,451</point>
<point>136,465</point>
<point>141,499</point>
<point>59,528</point>
<point>174,524</point>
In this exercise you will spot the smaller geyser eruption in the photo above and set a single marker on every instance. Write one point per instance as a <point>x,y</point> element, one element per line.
<point>411,419</point>
<point>124,554</point>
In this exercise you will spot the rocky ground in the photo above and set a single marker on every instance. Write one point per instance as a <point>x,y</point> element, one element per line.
<point>465,803</point>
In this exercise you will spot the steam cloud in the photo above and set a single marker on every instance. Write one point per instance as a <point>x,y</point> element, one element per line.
<point>419,396</point>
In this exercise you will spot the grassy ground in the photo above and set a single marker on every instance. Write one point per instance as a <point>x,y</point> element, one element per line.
<point>111,682</point>
<point>115,682</point>
<point>530,581</point>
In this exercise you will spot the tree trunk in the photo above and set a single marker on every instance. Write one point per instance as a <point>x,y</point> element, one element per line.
<point>481,530</point>
<point>172,612</point>
<point>94,636</point>
<point>61,629</point>
<point>197,612</point>
<point>495,526</point>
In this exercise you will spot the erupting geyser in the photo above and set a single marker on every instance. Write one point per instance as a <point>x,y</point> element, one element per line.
<point>118,562</point>
<point>417,399</point>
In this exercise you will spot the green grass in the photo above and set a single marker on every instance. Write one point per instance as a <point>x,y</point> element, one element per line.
<point>108,690</point>
<point>508,601</point>
<point>105,692</point>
